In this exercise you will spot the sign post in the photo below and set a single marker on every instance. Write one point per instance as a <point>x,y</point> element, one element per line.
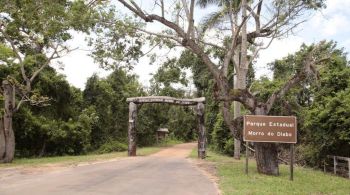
<point>291,161</point>
<point>246,157</point>
<point>279,129</point>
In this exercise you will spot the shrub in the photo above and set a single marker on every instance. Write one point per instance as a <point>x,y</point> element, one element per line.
<point>112,146</point>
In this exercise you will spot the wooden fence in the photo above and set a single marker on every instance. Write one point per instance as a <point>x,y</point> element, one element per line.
<point>341,165</point>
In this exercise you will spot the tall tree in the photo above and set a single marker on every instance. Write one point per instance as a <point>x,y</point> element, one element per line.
<point>107,96</point>
<point>280,18</point>
<point>323,105</point>
<point>33,33</point>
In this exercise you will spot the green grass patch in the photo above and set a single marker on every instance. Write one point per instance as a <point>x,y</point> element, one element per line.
<point>233,180</point>
<point>73,160</point>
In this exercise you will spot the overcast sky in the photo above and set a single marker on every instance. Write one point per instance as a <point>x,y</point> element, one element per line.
<point>332,23</point>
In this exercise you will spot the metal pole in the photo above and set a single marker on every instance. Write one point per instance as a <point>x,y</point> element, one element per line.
<point>291,161</point>
<point>246,157</point>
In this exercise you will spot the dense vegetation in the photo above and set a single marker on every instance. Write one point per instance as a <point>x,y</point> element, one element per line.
<point>95,119</point>
<point>55,118</point>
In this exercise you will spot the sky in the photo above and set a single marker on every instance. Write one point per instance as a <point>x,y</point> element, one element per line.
<point>332,23</point>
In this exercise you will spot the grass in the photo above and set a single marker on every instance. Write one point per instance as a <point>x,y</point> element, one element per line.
<point>74,160</point>
<point>233,180</point>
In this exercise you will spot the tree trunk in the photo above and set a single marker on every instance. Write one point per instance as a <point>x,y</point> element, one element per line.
<point>266,153</point>
<point>241,74</point>
<point>266,158</point>
<point>236,114</point>
<point>42,151</point>
<point>2,139</point>
<point>9,136</point>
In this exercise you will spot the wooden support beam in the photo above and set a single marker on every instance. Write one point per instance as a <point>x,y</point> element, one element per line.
<point>349,168</point>
<point>132,129</point>
<point>201,131</point>
<point>134,101</point>
<point>165,99</point>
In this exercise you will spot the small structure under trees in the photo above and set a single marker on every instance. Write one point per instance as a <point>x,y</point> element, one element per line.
<point>198,102</point>
<point>161,133</point>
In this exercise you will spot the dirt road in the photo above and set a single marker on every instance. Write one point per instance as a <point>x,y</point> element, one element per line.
<point>163,173</point>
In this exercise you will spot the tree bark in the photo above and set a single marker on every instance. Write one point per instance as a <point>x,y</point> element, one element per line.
<point>9,136</point>
<point>42,151</point>
<point>266,153</point>
<point>132,129</point>
<point>2,139</point>
<point>266,158</point>
<point>241,74</point>
<point>236,114</point>
<point>201,131</point>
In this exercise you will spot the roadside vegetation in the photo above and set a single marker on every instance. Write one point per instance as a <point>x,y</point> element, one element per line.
<point>233,180</point>
<point>43,116</point>
<point>88,158</point>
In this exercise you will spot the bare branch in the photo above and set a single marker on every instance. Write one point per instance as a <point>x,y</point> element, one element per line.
<point>190,31</point>
<point>212,44</point>
<point>308,68</point>
<point>159,35</point>
<point>240,95</point>
<point>15,50</point>
<point>256,15</point>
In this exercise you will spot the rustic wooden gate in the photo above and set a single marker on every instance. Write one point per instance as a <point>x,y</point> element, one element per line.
<point>198,102</point>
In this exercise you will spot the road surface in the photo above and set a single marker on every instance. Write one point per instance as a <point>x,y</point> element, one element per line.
<point>163,173</point>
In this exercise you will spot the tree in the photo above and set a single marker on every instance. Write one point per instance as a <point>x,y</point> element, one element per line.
<point>108,96</point>
<point>280,18</point>
<point>319,102</point>
<point>31,41</point>
<point>63,127</point>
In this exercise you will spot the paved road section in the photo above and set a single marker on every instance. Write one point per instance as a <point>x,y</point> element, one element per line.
<point>166,172</point>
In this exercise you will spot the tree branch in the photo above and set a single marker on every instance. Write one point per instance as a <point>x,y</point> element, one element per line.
<point>308,69</point>
<point>15,50</point>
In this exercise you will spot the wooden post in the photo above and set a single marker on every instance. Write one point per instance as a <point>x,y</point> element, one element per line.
<point>132,129</point>
<point>335,165</point>
<point>246,157</point>
<point>201,131</point>
<point>349,167</point>
<point>291,161</point>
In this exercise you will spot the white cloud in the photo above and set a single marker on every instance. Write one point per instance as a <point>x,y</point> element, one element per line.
<point>277,50</point>
<point>336,24</point>
<point>78,66</point>
<point>334,6</point>
<point>332,21</point>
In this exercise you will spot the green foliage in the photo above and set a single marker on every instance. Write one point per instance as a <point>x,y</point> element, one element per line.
<point>115,42</point>
<point>108,97</point>
<point>181,121</point>
<point>112,146</point>
<point>221,137</point>
<point>321,104</point>
<point>63,127</point>
<point>326,127</point>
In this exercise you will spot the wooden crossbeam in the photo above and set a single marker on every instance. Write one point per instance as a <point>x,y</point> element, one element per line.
<point>165,99</point>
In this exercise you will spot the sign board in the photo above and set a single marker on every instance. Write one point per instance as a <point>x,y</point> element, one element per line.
<point>258,128</point>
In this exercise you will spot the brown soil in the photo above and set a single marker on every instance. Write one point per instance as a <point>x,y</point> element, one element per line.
<point>179,151</point>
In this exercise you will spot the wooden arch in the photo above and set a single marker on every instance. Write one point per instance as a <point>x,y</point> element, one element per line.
<point>198,102</point>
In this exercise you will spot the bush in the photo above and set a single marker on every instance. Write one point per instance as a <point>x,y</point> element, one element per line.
<point>229,147</point>
<point>112,146</point>
<point>221,138</point>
